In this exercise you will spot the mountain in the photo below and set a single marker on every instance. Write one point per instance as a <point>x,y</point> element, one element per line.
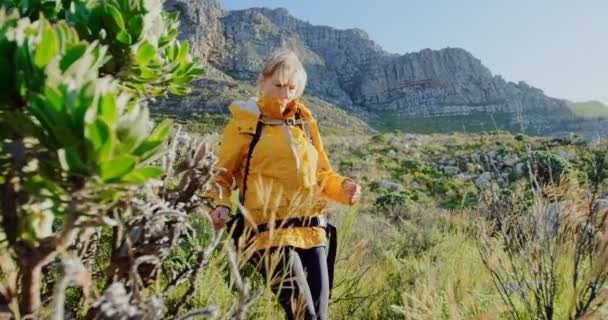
<point>425,91</point>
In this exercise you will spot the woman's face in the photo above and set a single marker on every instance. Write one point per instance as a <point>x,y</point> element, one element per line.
<point>280,90</point>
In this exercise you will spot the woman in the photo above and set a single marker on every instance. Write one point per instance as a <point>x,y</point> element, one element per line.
<point>272,149</point>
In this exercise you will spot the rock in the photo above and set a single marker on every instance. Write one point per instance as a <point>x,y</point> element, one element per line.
<point>391,153</point>
<point>596,140</point>
<point>396,187</point>
<point>462,177</point>
<point>450,170</point>
<point>509,160</point>
<point>415,185</point>
<point>484,180</point>
<point>519,169</point>
<point>408,137</point>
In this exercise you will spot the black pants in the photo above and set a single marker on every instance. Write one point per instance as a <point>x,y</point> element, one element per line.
<point>299,279</point>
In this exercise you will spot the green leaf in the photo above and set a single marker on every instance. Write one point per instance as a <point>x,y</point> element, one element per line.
<point>36,108</point>
<point>113,18</point>
<point>107,108</point>
<point>72,54</point>
<point>183,51</point>
<point>107,150</point>
<point>66,35</point>
<point>47,48</point>
<point>124,37</point>
<point>132,129</point>
<point>70,161</point>
<point>141,175</point>
<point>113,170</point>
<point>49,9</point>
<point>161,131</point>
<point>173,51</point>
<point>135,27</point>
<point>145,52</point>
<point>95,21</point>
<point>97,133</point>
<point>178,91</point>
<point>54,99</point>
<point>23,63</point>
<point>50,111</point>
<point>156,138</point>
<point>66,136</point>
<point>197,71</point>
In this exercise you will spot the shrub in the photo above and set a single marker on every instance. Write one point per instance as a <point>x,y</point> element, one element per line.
<point>391,199</point>
<point>379,138</point>
<point>79,155</point>
<point>546,252</point>
<point>546,166</point>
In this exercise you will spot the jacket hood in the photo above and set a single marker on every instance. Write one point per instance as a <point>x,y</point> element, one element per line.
<point>268,108</point>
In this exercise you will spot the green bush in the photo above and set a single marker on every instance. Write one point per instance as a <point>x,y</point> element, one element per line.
<point>77,139</point>
<point>379,138</point>
<point>546,166</point>
<point>411,166</point>
<point>391,200</point>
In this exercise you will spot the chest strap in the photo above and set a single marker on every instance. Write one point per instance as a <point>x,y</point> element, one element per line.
<point>286,124</point>
<point>316,221</point>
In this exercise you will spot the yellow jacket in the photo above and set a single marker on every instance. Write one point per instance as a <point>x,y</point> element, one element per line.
<point>288,175</point>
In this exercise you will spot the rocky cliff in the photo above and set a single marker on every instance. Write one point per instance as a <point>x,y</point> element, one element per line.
<point>349,70</point>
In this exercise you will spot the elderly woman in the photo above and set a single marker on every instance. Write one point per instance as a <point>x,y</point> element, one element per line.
<point>272,150</point>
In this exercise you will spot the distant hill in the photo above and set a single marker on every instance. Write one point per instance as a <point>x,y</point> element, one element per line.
<point>589,109</point>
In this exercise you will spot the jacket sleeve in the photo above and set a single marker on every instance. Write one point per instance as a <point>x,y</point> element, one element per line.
<point>329,181</point>
<point>230,157</point>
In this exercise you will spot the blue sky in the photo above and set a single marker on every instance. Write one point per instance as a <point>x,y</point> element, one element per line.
<point>559,46</point>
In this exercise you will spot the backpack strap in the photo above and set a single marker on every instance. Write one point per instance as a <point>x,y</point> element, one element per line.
<point>286,124</point>
<point>299,121</point>
<point>304,125</point>
<point>254,141</point>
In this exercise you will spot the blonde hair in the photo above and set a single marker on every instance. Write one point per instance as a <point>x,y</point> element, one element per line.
<point>287,63</point>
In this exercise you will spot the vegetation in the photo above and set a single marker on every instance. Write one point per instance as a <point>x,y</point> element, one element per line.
<point>102,213</point>
<point>92,204</point>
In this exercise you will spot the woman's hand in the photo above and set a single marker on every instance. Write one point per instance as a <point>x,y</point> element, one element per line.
<point>219,216</point>
<point>351,191</point>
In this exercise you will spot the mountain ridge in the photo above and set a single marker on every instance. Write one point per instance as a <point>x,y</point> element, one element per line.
<point>349,70</point>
